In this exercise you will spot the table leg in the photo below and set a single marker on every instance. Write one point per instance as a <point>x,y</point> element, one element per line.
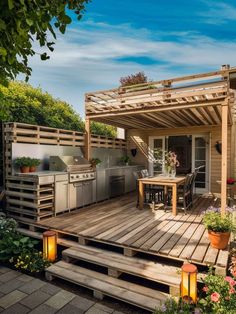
<point>165,196</point>
<point>141,194</point>
<point>174,200</point>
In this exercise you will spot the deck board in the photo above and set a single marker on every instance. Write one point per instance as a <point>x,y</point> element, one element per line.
<point>118,222</point>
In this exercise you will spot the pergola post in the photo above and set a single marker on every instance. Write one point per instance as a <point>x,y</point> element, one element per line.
<point>224,138</point>
<point>87,139</point>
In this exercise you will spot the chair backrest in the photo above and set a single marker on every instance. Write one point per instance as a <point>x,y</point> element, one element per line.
<point>137,175</point>
<point>144,173</point>
<point>188,182</point>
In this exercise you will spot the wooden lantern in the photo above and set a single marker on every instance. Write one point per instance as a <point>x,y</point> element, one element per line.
<point>50,245</point>
<point>189,283</point>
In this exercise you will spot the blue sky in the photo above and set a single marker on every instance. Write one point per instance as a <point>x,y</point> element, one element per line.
<point>118,37</point>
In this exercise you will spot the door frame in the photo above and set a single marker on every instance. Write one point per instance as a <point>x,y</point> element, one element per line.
<point>151,155</point>
<point>207,138</point>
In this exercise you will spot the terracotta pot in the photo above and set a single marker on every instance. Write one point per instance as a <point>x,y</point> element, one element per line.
<point>219,240</point>
<point>32,169</point>
<point>24,169</point>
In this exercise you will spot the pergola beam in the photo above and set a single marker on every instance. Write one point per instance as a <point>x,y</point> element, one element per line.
<point>224,139</point>
<point>87,139</point>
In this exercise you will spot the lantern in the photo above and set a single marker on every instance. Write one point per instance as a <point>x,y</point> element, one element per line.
<point>189,283</point>
<point>50,245</point>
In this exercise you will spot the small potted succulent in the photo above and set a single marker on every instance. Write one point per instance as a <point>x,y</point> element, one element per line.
<point>219,227</point>
<point>95,162</point>
<point>23,163</point>
<point>125,160</point>
<point>34,163</point>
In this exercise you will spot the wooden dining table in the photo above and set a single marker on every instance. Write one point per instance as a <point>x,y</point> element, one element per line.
<point>161,181</point>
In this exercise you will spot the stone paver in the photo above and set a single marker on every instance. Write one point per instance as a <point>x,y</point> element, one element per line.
<point>60,299</point>
<point>70,309</point>
<point>4,269</point>
<point>50,289</point>
<point>36,298</point>
<point>9,275</point>
<point>32,286</point>
<point>82,303</point>
<point>23,294</point>
<point>44,309</point>
<point>11,285</point>
<point>11,298</point>
<point>17,309</point>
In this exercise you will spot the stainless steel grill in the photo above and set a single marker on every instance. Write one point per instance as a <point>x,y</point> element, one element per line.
<point>78,168</point>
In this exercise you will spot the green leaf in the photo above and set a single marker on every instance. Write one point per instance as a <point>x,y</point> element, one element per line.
<point>24,240</point>
<point>3,51</point>
<point>16,243</point>
<point>10,4</point>
<point>44,56</point>
<point>62,29</point>
<point>67,19</point>
<point>29,22</point>
<point>2,25</point>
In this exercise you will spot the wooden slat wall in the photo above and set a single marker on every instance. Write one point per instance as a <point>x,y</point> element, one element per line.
<point>215,157</point>
<point>40,135</point>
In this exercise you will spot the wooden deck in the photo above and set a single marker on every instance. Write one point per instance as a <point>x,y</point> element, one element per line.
<point>117,222</point>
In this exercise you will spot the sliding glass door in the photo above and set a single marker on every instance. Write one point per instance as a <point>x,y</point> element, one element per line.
<point>192,152</point>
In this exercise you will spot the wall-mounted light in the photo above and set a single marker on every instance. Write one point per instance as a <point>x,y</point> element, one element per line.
<point>188,286</point>
<point>133,151</point>
<point>218,147</point>
<point>50,245</point>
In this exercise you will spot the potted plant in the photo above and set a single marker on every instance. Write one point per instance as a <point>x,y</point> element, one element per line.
<point>34,162</point>
<point>95,162</point>
<point>23,163</point>
<point>219,227</point>
<point>125,160</point>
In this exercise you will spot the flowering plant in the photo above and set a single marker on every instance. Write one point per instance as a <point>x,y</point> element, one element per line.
<point>171,160</point>
<point>213,220</point>
<point>31,261</point>
<point>172,306</point>
<point>220,294</point>
<point>232,266</point>
<point>230,181</point>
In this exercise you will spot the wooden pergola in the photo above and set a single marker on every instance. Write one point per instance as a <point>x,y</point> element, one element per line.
<point>196,100</point>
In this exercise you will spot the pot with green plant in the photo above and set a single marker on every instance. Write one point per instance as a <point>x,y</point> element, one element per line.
<point>219,227</point>
<point>34,163</point>
<point>95,162</point>
<point>125,160</point>
<point>23,163</point>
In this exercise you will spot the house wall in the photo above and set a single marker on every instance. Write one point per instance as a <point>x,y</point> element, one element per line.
<point>142,136</point>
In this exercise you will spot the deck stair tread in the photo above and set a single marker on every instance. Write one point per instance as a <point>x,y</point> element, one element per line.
<point>166,274</point>
<point>143,297</point>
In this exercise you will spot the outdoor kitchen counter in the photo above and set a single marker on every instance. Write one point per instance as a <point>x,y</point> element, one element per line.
<point>41,173</point>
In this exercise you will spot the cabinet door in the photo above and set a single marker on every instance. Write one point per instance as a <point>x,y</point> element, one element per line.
<point>130,183</point>
<point>76,195</point>
<point>87,193</point>
<point>102,186</point>
<point>61,196</point>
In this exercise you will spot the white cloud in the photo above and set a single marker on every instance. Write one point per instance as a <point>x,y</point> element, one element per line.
<point>218,12</point>
<point>91,59</point>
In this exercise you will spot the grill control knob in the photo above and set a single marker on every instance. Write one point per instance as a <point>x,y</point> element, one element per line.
<point>72,177</point>
<point>77,177</point>
<point>84,176</point>
<point>87,175</point>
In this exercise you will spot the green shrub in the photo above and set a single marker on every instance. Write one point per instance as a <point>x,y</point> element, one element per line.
<point>215,222</point>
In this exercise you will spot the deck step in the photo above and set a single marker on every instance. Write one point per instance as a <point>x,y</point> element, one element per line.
<point>101,284</point>
<point>117,264</point>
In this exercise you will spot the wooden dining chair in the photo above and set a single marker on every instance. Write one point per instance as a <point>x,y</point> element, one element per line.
<point>184,197</point>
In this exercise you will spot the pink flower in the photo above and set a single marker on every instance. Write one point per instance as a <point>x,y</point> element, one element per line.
<point>231,291</point>
<point>205,289</point>
<point>215,297</point>
<point>230,281</point>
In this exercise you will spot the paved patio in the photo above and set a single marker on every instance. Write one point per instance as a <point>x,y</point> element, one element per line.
<point>20,293</point>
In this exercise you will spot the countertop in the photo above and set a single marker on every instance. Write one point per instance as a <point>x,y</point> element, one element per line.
<point>119,167</point>
<point>41,173</point>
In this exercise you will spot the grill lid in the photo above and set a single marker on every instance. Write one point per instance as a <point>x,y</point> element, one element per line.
<point>69,163</point>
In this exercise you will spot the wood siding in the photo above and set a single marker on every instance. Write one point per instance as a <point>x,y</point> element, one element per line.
<point>215,157</point>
